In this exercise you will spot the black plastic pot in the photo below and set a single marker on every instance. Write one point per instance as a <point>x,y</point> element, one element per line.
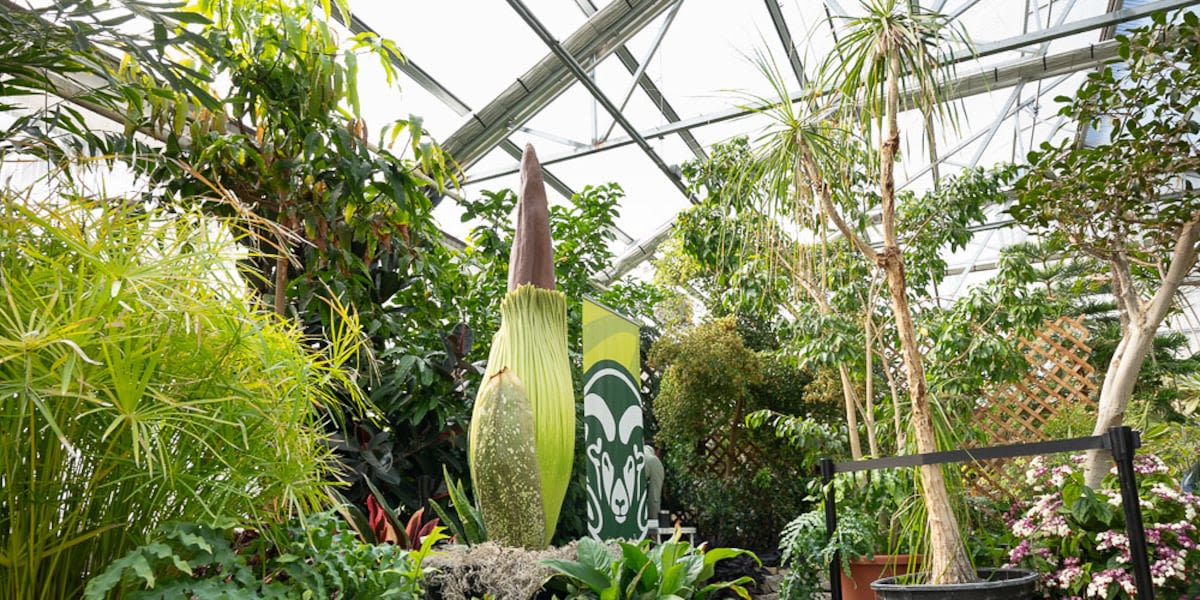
<point>994,584</point>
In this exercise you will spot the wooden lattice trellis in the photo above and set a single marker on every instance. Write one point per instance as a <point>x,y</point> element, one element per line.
<point>743,454</point>
<point>1059,377</point>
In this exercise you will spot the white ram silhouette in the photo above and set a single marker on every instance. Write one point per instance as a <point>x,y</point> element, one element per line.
<point>620,485</point>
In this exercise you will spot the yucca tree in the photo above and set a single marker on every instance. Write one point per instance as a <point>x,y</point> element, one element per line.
<point>892,42</point>
<point>786,165</point>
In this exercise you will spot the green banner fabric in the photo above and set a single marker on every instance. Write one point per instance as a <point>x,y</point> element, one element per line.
<point>613,433</point>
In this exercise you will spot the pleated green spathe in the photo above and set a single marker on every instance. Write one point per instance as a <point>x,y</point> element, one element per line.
<point>532,342</point>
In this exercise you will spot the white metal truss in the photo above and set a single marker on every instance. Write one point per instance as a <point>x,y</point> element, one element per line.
<point>1028,79</point>
<point>581,75</point>
<point>1012,74</point>
<point>598,38</point>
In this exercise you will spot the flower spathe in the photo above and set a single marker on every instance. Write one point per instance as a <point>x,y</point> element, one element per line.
<point>1076,536</point>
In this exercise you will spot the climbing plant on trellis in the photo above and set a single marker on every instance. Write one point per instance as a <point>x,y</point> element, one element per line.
<point>1059,378</point>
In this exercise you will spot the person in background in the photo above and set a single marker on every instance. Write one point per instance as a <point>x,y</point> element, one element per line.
<point>654,483</point>
<point>1190,482</point>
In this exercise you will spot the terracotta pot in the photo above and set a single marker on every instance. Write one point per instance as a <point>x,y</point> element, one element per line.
<point>863,571</point>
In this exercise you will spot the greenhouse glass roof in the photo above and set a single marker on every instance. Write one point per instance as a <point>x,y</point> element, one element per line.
<point>626,91</point>
<point>669,78</point>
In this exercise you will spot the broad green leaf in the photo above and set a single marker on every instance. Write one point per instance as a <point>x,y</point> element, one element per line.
<point>734,586</point>
<point>594,579</point>
<point>712,557</point>
<point>673,579</point>
<point>196,541</point>
<point>143,569</point>
<point>634,559</point>
<point>593,554</point>
<point>185,17</point>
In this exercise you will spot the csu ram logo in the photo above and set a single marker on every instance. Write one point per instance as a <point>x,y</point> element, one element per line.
<point>613,437</point>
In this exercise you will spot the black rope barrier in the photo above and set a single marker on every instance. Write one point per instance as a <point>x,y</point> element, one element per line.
<point>1122,442</point>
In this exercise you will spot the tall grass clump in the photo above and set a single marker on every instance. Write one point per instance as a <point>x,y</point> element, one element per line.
<point>141,383</point>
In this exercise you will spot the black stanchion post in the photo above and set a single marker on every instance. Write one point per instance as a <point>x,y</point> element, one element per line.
<point>827,473</point>
<point>1124,442</point>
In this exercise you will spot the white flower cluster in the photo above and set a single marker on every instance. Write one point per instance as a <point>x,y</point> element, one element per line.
<point>1098,588</point>
<point>1099,564</point>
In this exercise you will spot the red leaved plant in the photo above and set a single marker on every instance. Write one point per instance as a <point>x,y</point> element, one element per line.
<point>383,523</point>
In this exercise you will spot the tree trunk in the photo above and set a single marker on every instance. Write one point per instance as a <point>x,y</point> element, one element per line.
<point>1118,384</point>
<point>1141,321</point>
<point>949,562</point>
<point>949,557</point>
<point>869,375</point>
<point>281,279</point>
<point>851,414</point>
<point>823,307</point>
<point>897,421</point>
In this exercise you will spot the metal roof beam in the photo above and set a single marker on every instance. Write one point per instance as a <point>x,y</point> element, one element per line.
<point>581,75</point>
<point>785,38</point>
<point>460,108</point>
<point>439,91</point>
<point>998,77</point>
<point>984,80</point>
<point>1008,111</point>
<point>419,75</point>
<point>1011,107</point>
<point>599,37</point>
<point>649,88</point>
<point>1069,29</point>
<point>836,8</point>
<point>641,70</point>
<point>1068,62</point>
<point>964,8</point>
<point>1111,30</point>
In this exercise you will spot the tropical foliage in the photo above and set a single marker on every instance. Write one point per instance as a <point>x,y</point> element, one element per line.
<point>829,305</point>
<point>742,481</point>
<point>316,558</point>
<point>265,320</point>
<point>673,569</point>
<point>254,111</point>
<point>1127,200</point>
<point>143,384</point>
<point>876,50</point>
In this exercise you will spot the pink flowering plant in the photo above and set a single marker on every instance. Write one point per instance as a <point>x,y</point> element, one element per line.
<point>1076,536</point>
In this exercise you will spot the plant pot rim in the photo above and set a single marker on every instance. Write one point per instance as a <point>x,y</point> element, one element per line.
<point>1018,577</point>
<point>887,559</point>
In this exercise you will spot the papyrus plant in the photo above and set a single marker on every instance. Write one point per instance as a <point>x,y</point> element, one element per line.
<point>139,383</point>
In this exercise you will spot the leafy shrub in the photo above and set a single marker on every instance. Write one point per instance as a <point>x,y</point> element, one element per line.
<point>748,483</point>
<point>709,371</point>
<point>320,558</point>
<point>787,388</point>
<point>141,384</point>
<point>872,518</point>
<point>674,569</point>
<point>1075,420</point>
<point>1075,536</point>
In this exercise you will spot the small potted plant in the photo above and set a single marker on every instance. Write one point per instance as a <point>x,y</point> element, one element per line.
<point>871,536</point>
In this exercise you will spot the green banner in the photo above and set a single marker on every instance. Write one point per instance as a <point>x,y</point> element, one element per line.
<point>613,433</point>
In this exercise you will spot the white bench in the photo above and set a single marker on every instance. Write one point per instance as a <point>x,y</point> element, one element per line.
<point>662,534</point>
